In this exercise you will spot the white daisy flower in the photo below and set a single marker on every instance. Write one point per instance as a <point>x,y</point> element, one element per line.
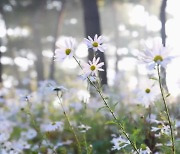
<point>156,54</point>
<point>163,129</point>
<point>66,50</point>
<point>96,44</point>
<point>84,128</point>
<point>147,96</point>
<point>52,127</point>
<point>92,67</point>
<point>119,143</point>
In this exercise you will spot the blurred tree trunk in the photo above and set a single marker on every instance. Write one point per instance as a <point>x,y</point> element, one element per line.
<point>116,33</point>
<point>37,25</point>
<point>8,44</point>
<point>92,27</point>
<point>0,64</point>
<point>163,36</point>
<point>56,30</point>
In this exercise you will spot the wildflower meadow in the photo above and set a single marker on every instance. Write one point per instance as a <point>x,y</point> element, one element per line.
<point>54,119</point>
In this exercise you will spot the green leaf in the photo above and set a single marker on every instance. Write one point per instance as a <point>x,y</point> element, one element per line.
<point>168,95</point>
<point>114,105</point>
<point>101,108</point>
<point>111,122</point>
<point>143,146</point>
<point>153,78</point>
<point>106,97</point>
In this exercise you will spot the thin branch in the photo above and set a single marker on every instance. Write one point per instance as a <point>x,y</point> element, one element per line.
<point>166,109</point>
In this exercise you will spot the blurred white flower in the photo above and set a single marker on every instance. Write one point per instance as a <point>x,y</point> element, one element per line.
<point>91,78</point>
<point>2,100</point>
<point>4,137</point>
<point>60,88</point>
<point>68,142</point>
<point>96,44</point>
<point>164,144</point>
<point>152,119</point>
<point>161,129</point>
<point>145,151</point>
<point>156,54</point>
<point>92,67</point>
<point>77,106</point>
<point>3,91</point>
<point>52,127</point>
<point>30,134</point>
<point>147,96</point>
<point>9,148</point>
<point>46,87</point>
<point>83,96</point>
<point>84,128</point>
<point>47,143</point>
<point>66,50</point>
<point>21,145</point>
<point>5,148</point>
<point>22,93</point>
<point>119,143</point>
<point>6,126</point>
<point>177,124</point>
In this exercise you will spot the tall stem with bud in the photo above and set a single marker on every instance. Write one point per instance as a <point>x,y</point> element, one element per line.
<point>110,110</point>
<point>70,126</point>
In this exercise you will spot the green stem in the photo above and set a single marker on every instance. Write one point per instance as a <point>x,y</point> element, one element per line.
<point>43,137</point>
<point>85,142</point>
<point>110,110</point>
<point>149,114</point>
<point>166,109</point>
<point>70,126</point>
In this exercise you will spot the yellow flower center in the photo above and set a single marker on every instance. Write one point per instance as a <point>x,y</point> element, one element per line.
<point>92,67</point>
<point>158,58</point>
<point>68,51</point>
<point>147,90</point>
<point>95,44</point>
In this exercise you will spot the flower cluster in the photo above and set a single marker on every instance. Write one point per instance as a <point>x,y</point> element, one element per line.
<point>36,124</point>
<point>154,55</point>
<point>67,51</point>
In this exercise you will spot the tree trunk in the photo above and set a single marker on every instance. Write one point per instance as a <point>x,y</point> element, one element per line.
<point>92,27</point>
<point>0,64</point>
<point>56,30</point>
<point>1,13</point>
<point>163,36</point>
<point>8,44</point>
<point>39,13</point>
<point>116,33</point>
